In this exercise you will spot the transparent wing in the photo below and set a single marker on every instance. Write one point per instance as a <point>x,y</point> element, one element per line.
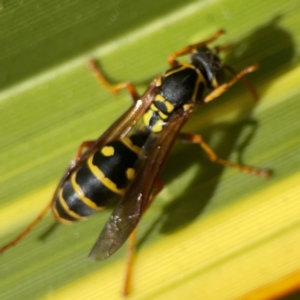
<point>131,207</point>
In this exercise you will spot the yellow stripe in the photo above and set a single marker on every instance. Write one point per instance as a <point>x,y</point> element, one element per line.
<point>153,107</point>
<point>182,67</point>
<point>128,143</point>
<point>66,207</point>
<point>57,216</point>
<point>101,177</point>
<point>81,195</point>
<point>162,115</point>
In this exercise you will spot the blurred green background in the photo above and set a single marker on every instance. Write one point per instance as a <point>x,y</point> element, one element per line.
<point>50,103</point>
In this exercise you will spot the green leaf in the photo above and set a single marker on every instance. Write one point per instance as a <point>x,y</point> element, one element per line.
<point>212,233</point>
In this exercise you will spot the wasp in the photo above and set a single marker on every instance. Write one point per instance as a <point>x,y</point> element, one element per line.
<point>122,167</point>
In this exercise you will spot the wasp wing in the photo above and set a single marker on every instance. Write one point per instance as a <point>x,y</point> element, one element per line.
<point>125,123</point>
<point>131,207</point>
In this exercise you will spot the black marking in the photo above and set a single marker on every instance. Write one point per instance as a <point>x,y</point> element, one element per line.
<point>93,189</point>
<point>122,159</point>
<point>162,107</point>
<point>209,65</point>
<point>154,119</point>
<point>139,138</point>
<point>201,90</point>
<point>114,167</point>
<point>74,202</point>
<point>178,87</point>
<point>62,213</point>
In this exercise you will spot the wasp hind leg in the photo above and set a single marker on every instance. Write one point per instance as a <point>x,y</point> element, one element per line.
<point>84,145</point>
<point>197,139</point>
<point>41,215</point>
<point>131,247</point>
<point>21,235</point>
<point>112,88</point>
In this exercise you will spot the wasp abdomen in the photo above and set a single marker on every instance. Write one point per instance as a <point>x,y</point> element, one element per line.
<point>99,181</point>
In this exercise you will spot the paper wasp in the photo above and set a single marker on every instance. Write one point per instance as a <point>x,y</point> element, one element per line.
<point>123,165</point>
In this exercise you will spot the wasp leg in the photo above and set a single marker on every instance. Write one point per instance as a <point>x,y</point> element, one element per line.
<point>113,88</point>
<point>245,82</point>
<point>84,145</point>
<point>197,139</point>
<point>129,263</point>
<point>225,86</point>
<point>188,49</point>
<point>130,252</point>
<point>219,49</point>
<point>19,237</point>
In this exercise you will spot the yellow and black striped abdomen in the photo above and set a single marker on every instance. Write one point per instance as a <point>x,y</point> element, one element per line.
<point>99,180</point>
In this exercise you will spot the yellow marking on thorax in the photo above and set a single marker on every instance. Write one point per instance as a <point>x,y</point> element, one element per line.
<point>104,180</point>
<point>170,106</point>
<point>108,151</point>
<point>128,143</point>
<point>130,173</point>
<point>81,195</point>
<point>153,107</point>
<point>161,98</point>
